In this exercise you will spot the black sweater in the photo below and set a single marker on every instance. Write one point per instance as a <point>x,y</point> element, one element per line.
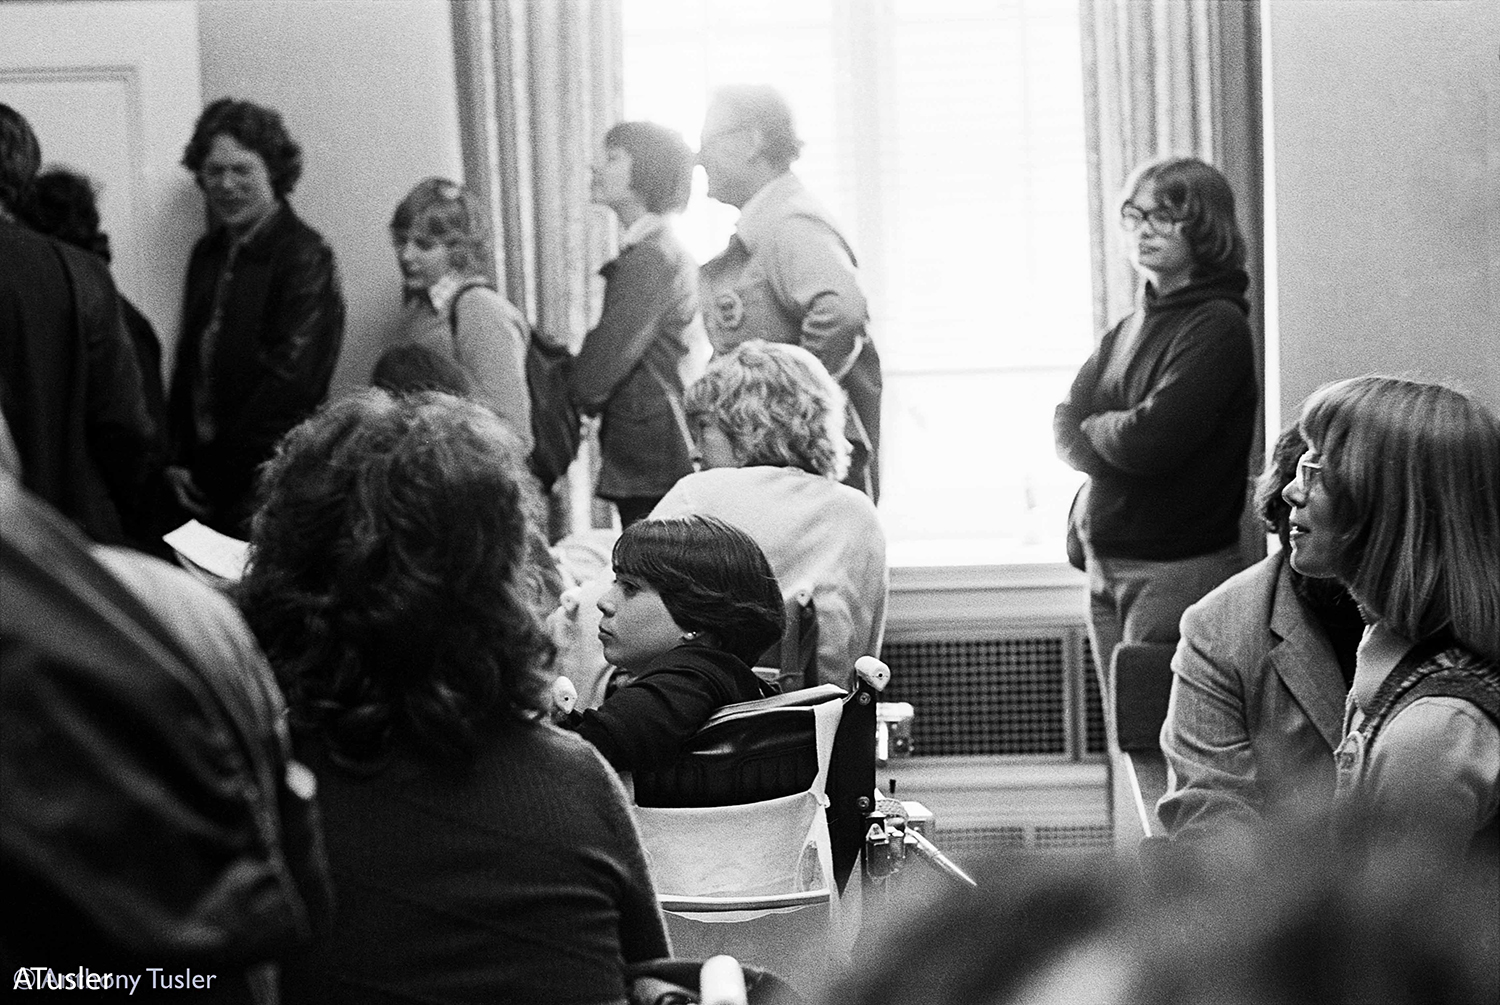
<point>1164,430</point>
<point>644,723</point>
<point>521,879</point>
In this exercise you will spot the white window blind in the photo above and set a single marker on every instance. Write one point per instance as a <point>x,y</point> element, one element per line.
<point>947,138</point>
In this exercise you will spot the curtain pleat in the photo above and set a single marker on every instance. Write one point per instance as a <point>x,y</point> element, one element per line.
<point>1168,77</point>
<point>539,81</point>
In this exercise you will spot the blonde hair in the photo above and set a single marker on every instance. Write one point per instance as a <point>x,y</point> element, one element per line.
<point>777,405</point>
<point>446,212</point>
<point>1412,469</point>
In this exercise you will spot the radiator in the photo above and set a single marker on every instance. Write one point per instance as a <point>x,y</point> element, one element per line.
<point>1008,738</point>
<point>1031,694</point>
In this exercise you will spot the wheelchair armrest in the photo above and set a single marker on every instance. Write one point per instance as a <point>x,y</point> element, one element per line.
<point>1148,783</point>
<point>789,699</point>
<point>765,902</point>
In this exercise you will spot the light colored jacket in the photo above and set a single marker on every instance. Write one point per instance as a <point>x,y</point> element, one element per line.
<point>1256,709</point>
<point>789,275</point>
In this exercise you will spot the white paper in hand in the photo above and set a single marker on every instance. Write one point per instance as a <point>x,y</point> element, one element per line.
<point>203,549</point>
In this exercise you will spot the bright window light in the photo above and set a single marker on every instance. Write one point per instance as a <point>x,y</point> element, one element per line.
<point>947,138</point>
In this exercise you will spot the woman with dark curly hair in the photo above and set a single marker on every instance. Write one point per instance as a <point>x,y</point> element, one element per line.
<point>769,420</point>
<point>262,317</point>
<point>693,604</point>
<point>383,588</point>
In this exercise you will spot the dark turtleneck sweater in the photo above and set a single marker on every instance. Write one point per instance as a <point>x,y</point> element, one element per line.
<point>1161,418</point>
<point>645,722</point>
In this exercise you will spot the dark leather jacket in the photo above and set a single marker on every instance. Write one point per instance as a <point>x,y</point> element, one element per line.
<point>151,813</point>
<point>282,326</point>
<point>69,383</point>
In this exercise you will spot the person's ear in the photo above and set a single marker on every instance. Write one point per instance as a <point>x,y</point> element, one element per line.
<point>757,143</point>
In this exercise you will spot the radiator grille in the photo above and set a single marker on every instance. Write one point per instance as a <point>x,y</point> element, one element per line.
<point>1084,837</point>
<point>970,846</point>
<point>1007,696</point>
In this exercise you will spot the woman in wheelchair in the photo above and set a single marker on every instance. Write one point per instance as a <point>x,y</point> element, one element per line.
<point>693,604</point>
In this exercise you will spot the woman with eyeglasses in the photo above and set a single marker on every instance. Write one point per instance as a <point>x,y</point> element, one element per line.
<point>1162,415</point>
<point>1398,497</point>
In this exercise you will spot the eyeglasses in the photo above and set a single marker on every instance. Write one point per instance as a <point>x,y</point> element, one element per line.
<point>1308,472</point>
<point>1160,219</point>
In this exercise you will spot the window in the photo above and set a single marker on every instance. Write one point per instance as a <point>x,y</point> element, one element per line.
<point>947,138</point>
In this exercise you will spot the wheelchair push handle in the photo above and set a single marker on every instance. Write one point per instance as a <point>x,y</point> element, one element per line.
<point>873,672</point>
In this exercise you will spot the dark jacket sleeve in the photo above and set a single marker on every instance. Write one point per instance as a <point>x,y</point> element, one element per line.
<point>140,810</point>
<point>1204,372</point>
<point>638,292</point>
<point>120,432</point>
<point>305,320</point>
<point>1067,432</point>
<point>645,723</point>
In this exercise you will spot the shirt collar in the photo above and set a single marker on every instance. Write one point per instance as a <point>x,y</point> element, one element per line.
<point>641,229</point>
<point>442,293</point>
<point>1379,651</point>
<point>757,215</point>
<point>238,241</point>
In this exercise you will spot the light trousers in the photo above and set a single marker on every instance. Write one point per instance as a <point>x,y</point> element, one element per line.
<point>1136,600</point>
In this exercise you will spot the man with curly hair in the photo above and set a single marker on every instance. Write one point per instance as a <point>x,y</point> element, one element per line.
<point>263,315</point>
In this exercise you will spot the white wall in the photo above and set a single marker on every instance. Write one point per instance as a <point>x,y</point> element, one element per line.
<point>111,90</point>
<point>1386,177</point>
<point>367,88</point>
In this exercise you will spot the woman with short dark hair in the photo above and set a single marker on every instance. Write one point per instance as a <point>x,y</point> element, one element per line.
<point>478,853</point>
<point>649,343</point>
<point>1161,417</point>
<point>693,605</point>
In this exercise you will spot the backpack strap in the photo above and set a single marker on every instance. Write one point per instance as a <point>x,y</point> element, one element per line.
<point>674,401</point>
<point>464,287</point>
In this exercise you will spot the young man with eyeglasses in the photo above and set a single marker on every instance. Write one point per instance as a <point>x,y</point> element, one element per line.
<point>788,274</point>
<point>1162,415</point>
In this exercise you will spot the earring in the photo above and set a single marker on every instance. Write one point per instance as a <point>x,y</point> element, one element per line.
<point>689,636</point>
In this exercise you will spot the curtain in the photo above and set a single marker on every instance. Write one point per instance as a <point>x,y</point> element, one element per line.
<point>539,81</point>
<point>1169,77</point>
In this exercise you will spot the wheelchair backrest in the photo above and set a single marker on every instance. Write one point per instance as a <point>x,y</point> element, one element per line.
<point>745,753</point>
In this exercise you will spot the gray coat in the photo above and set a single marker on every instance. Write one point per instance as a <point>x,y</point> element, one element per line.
<point>1256,709</point>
